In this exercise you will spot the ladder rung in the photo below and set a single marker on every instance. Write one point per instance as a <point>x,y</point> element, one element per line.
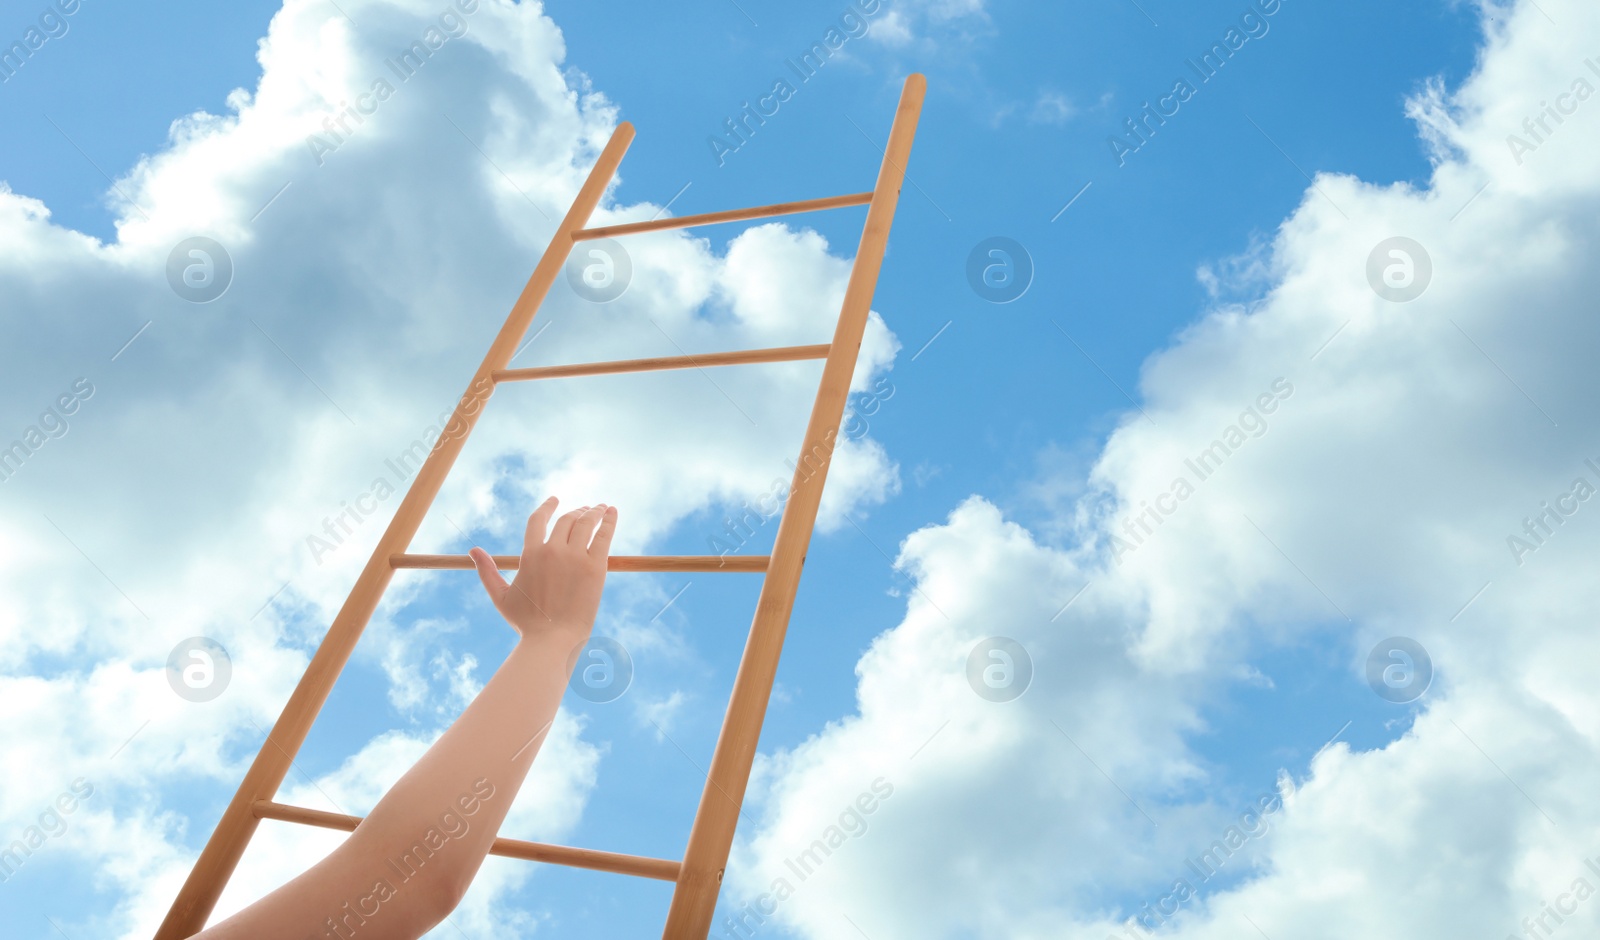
<point>638,865</point>
<point>739,563</point>
<point>739,357</point>
<point>730,215</point>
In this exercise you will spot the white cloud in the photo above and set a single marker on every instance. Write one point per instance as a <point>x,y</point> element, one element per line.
<point>661,713</point>
<point>1052,107</point>
<point>906,21</point>
<point>1383,489</point>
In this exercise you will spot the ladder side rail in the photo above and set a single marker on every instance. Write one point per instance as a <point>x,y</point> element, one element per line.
<point>711,836</point>
<point>198,896</point>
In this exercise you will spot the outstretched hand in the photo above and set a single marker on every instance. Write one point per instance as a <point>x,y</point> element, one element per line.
<point>557,585</point>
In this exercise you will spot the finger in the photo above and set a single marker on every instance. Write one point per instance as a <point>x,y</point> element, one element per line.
<point>561,532</point>
<point>489,574</point>
<point>601,546</point>
<point>539,523</point>
<point>583,529</point>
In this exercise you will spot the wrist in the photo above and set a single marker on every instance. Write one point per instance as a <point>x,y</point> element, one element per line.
<point>562,638</point>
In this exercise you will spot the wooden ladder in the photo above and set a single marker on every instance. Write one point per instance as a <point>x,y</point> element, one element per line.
<point>698,877</point>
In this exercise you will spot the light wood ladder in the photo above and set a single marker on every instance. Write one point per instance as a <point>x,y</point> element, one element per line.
<point>698,877</point>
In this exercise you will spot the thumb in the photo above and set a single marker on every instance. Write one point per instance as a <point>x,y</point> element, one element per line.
<point>489,574</point>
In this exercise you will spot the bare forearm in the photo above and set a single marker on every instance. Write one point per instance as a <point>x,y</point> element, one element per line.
<point>464,785</point>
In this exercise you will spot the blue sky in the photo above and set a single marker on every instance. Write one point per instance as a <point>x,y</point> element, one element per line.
<point>1170,285</point>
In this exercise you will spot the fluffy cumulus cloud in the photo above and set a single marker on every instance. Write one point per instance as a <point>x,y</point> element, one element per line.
<point>1317,465</point>
<point>222,469</point>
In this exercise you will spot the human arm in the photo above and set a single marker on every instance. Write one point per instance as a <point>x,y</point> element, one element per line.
<point>408,863</point>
